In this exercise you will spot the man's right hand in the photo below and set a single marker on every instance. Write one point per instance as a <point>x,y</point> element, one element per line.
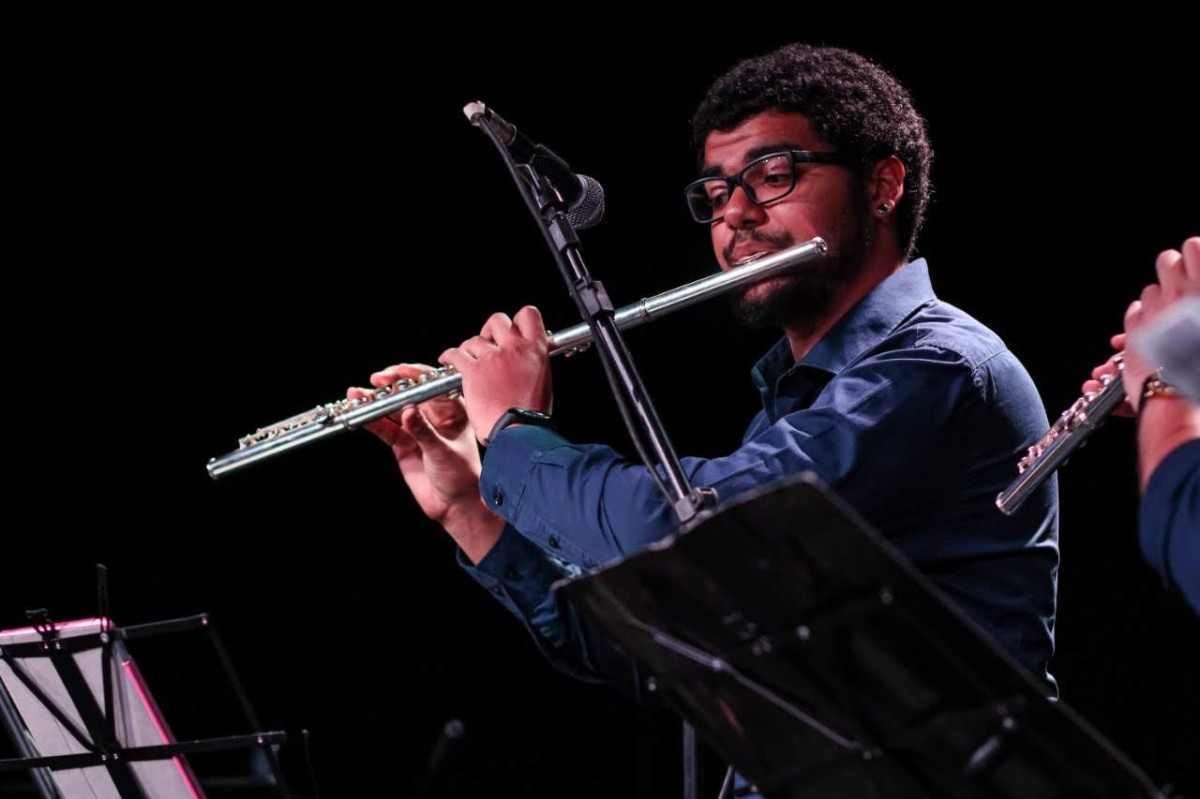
<point>435,449</point>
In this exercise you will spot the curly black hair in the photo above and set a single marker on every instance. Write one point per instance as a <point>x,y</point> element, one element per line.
<point>851,102</point>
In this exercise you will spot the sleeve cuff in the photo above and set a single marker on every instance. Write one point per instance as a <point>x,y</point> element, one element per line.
<point>520,575</point>
<point>522,471</point>
<point>507,464</point>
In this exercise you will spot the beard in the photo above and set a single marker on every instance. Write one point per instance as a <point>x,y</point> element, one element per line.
<point>801,298</point>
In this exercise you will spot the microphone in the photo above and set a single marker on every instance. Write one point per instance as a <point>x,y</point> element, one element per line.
<point>583,195</point>
<point>446,750</point>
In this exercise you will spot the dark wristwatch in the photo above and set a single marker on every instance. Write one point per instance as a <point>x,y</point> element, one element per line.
<point>516,416</point>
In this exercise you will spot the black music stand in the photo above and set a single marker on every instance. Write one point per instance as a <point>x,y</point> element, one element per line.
<point>86,724</point>
<point>816,659</point>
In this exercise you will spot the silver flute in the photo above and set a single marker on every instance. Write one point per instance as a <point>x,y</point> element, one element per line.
<point>349,414</point>
<point>1064,437</point>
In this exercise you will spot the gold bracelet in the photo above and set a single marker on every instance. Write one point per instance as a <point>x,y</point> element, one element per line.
<point>1155,386</point>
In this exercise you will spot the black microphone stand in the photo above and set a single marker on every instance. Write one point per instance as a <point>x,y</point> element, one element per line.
<point>637,409</point>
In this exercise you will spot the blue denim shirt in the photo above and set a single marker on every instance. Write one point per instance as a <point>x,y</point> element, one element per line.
<point>1170,521</point>
<point>910,409</point>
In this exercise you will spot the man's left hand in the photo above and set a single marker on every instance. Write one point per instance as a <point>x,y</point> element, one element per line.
<point>506,366</point>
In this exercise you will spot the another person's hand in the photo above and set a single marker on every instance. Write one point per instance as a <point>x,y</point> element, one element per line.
<point>1178,276</point>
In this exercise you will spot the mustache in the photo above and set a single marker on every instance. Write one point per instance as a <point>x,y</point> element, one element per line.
<point>780,241</point>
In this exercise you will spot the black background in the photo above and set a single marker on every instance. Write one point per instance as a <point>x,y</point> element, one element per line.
<point>226,221</point>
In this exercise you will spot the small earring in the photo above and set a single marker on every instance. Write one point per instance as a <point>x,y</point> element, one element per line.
<point>883,209</point>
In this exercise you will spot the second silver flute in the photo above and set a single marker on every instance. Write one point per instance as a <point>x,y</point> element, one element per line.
<point>1065,436</point>
<point>337,417</point>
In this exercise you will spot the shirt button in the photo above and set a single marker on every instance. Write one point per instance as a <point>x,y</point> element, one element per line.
<point>497,496</point>
<point>497,590</point>
<point>512,573</point>
<point>552,541</point>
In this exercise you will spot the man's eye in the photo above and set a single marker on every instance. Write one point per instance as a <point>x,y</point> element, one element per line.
<point>718,196</point>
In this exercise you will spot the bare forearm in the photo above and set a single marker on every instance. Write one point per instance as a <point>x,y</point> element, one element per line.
<point>1164,424</point>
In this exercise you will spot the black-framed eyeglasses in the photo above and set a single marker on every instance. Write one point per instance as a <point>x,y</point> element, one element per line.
<point>766,179</point>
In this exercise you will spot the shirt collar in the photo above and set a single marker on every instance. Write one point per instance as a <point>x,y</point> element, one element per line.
<point>869,322</point>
